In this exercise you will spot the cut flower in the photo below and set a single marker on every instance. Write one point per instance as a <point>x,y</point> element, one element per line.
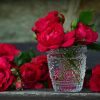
<point>50,33</point>
<point>94,83</point>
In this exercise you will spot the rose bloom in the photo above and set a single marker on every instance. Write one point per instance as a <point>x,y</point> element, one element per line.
<point>30,75</point>
<point>50,33</point>
<point>6,77</point>
<point>94,82</point>
<point>8,51</point>
<point>35,73</point>
<point>46,21</point>
<point>54,37</point>
<point>41,61</point>
<point>85,34</point>
<point>69,39</point>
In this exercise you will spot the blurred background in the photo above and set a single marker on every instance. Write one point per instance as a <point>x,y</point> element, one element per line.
<point>18,16</point>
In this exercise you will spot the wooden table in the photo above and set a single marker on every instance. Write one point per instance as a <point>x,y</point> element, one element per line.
<point>48,95</point>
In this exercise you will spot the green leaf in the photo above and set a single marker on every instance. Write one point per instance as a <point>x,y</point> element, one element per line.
<point>93,27</point>
<point>24,57</point>
<point>74,23</point>
<point>45,84</point>
<point>86,17</point>
<point>31,53</point>
<point>94,46</point>
<point>14,72</point>
<point>12,87</point>
<point>34,36</point>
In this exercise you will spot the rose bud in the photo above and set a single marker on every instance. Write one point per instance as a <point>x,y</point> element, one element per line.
<point>18,85</point>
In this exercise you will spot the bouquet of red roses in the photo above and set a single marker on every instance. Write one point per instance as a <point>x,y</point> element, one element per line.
<point>50,35</point>
<point>22,70</point>
<point>50,32</point>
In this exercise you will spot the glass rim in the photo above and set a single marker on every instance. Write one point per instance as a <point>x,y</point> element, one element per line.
<point>76,57</point>
<point>81,46</point>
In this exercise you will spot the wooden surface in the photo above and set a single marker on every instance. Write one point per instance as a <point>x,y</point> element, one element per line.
<point>48,95</point>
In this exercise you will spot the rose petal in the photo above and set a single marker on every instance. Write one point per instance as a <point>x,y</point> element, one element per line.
<point>94,86</point>
<point>69,35</point>
<point>38,86</point>
<point>41,48</point>
<point>68,43</point>
<point>54,46</point>
<point>95,36</point>
<point>96,70</point>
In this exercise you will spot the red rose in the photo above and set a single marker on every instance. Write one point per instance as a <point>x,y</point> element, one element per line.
<point>85,34</point>
<point>6,77</point>
<point>54,37</point>
<point>94,82</point>
<point>69,39</point>
<point>46,21</point>
<point>30,75</point>
<point>41,63</point>
<point>54,16</point>
<point>40,59</point>
<point>51,38</point>
<point>50,33</point>
<point>8,51</point>
<point>34,74</point>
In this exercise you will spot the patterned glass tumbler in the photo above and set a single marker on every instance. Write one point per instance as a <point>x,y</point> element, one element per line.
<point>67,68</point>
